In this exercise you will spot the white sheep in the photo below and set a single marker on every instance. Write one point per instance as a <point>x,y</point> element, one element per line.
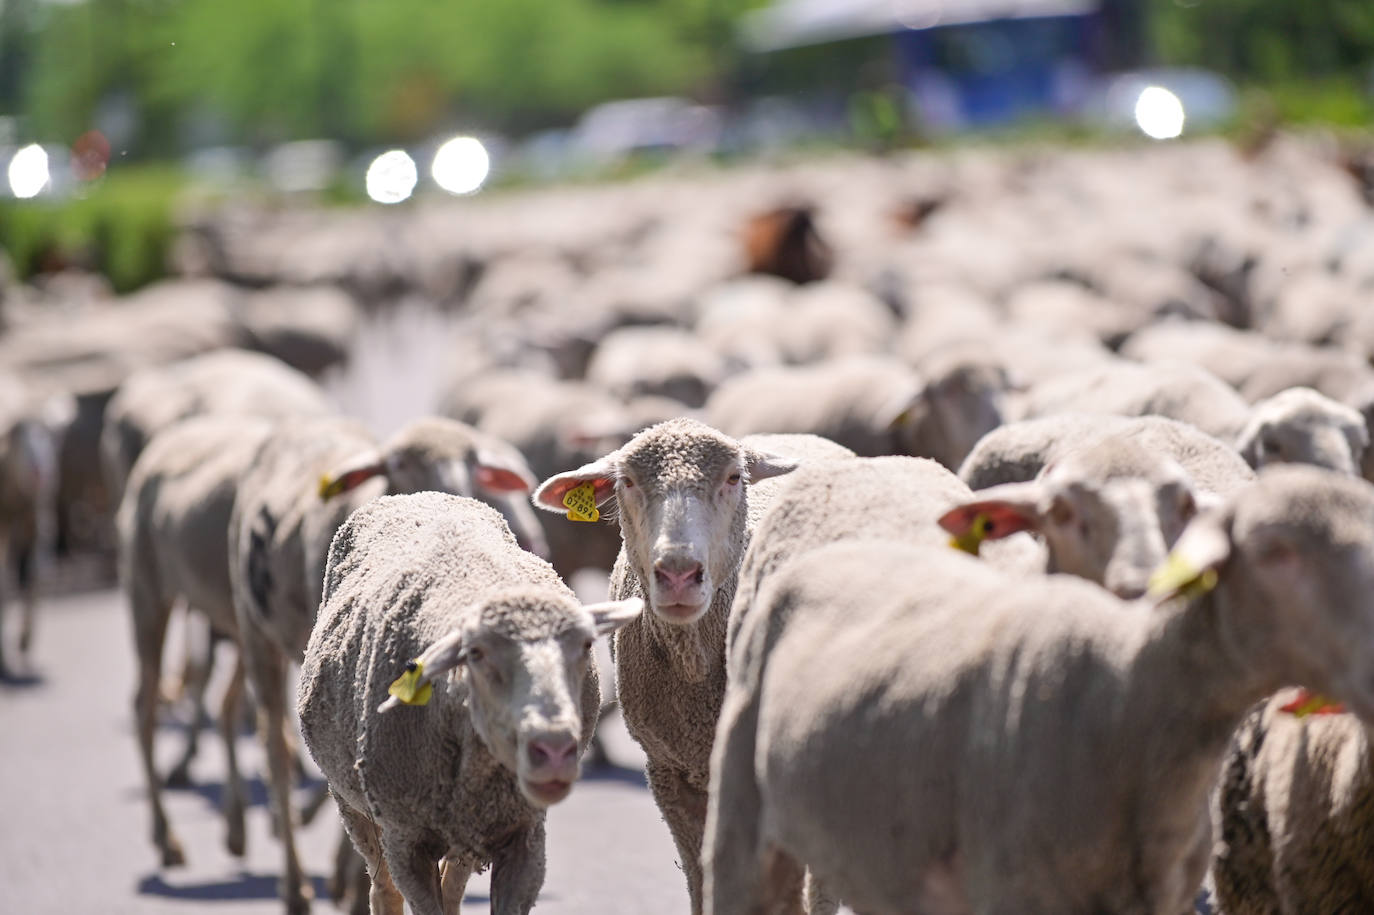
<point>1302,426</point>
<point>422,585</point>
<point>687,498</point>
<point>1174,389</point>
<point>925,731</point>
<point>307,477</point>
<point>173,528</point>
<point>870,404</point>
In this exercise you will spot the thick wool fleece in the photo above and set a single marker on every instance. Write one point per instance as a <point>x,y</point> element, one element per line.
<point>1295,815</point>
<point>404,572</point>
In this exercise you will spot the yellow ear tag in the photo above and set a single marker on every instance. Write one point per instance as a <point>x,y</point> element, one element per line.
<point>971,540</point>
<point>1309,703</point>
<point>1179,576</point>
<point>581,502</point>
<point>407,687</point>
<point>329,487</point>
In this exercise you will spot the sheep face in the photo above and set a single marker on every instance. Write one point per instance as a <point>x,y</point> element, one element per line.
<point>1296,560</point>
<point>525,660</point>
<point>948,416</point>
<point>680,488</point>
<point>1300,426</point>
<point>1107,514</point>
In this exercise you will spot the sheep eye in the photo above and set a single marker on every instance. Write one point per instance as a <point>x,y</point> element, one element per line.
<point>733,478</point>
<point>1187,506</point>
<point>475,654</point>
<point>1269,446</point>
<point>587,646</point>
<point>627,483</point>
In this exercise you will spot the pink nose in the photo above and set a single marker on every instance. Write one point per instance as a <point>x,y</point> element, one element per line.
<point>679,579</point>
<point>552,752</point>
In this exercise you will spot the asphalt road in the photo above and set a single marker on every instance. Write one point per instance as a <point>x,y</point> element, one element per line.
<point>75,833</point>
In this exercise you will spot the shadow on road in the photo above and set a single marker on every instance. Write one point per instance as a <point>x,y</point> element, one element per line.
<point>15,681</point>
<point>244,886</point>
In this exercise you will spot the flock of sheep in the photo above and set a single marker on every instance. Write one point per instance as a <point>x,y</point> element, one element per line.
<point>986,532</point>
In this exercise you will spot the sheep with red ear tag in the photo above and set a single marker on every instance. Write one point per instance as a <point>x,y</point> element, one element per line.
<point>687,497</point>
<point>448,693</point>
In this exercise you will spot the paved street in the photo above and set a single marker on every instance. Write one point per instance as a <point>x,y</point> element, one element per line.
<point>75,838</point>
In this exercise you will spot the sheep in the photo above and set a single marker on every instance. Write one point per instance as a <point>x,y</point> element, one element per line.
<point>687,498</point>
<point>556,424</point>
<point>924,730</point>
<point>662,361</point>
<point>465,779</point>
<point>1292,814</point>
<point>1180,391</point>
<point>871,405</point>
<point>302,483</point>
<point>226,381</point>
<point>1018,451</point>
<point>1302,426</point>
<point>31,433</point>
<point>784,242</point>
<point>1108,511</point>
<point>220,381</point>
<point>173,525</point>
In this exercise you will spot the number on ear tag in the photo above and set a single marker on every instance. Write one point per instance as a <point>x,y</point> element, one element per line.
<point>581,503</point>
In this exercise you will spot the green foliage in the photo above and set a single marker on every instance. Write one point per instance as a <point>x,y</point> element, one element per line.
<point>121,226</point>
<point>359,70</point>
<point>1267,41</point>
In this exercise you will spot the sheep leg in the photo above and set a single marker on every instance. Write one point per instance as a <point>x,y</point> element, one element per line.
<point>733,853</point>
<point>416,874</point>
<point>383,897</point>
<point>517,873</point>
<point>348,882</point>
<point>150,632</point>
<point>453,882</point>
<point>234,793</point>
<point>819,901</point>
<point>267,668</point>
<point>684,809</point>
<point>195,679</point>
<point>26,569</point>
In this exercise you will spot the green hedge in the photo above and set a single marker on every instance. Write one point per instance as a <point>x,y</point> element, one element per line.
<point>120,225</point>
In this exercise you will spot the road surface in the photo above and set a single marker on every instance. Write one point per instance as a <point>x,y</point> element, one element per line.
<point>75,837</point>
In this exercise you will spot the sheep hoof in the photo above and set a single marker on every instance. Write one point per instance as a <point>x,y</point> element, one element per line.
<point>299,904</point>
<point>172,855</point>
<point>180,777</point>
<point>234,840</point>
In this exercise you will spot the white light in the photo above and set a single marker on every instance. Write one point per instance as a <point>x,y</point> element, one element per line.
<point>461,165</point>
<point>28,172</point>
<point>1159,113</point>
<point>391,177</point>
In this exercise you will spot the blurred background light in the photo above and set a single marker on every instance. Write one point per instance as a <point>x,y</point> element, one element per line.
<point>392,176</point>
<point>28,171</point>
<point>461,165</point>
<point>1159,113</point>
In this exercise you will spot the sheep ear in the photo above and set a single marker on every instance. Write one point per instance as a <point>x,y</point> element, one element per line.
<point>763,464</point>
<point>909,408</point>
<point>351,474</point>
<point>499,474</point>
<point>1248,444</point>
<point>415,685</point>
<point>1192,565</point>
<point>611,615</point>
<point>996,512</point>
<point>601,474</point>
